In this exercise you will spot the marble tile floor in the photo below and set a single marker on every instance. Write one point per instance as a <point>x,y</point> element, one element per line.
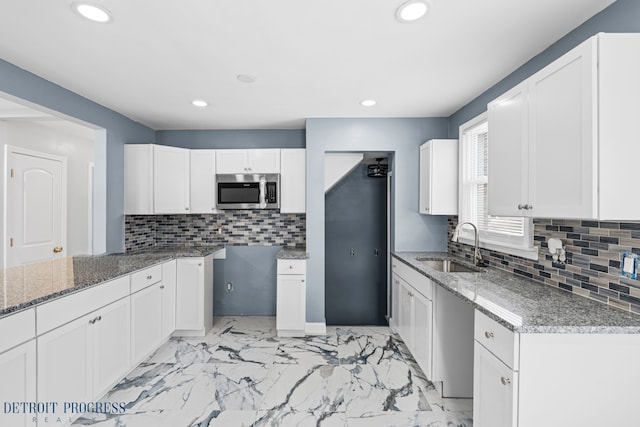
<point>242,374</point>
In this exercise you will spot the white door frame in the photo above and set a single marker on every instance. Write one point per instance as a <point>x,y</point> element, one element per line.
<point>12,149</point>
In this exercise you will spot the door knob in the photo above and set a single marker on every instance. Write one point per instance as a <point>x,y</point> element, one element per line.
<point>57,249</point>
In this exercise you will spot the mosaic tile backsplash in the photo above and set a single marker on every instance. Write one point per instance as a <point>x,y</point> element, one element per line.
<point>594,254</point>
<point>234,227</point>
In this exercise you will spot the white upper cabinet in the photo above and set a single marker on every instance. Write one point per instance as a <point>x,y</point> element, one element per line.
<point>559,142</point>
<point>293,181</point>
<point>248,161</point>
<point>171,180</point>
<point>138,179</point>
<point>439,177</point>
<point>203,181</point>
<point>508,152</point>
<point>156,179</point>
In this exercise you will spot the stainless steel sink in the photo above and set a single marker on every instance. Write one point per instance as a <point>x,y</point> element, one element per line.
<point>448,266</point>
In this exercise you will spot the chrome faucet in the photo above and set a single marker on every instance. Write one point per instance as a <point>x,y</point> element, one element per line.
<point>477,258</point>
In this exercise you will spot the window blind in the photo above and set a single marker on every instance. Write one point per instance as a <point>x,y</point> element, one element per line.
<point>476,144</point>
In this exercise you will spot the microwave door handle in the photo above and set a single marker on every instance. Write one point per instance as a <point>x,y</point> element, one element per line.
<point>263,191</point>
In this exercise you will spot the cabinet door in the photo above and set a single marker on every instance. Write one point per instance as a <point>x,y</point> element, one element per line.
<point>263,161</point>
<point>190,294</point>
<point>508,153</point>
<point>423,332</point>
<point>293,181</point>
<point>291,302</point>
<point>494,391</point>
<point>168,298</point>
<point>563,131</point>
<point>405,326</point>
<point>138,179</point>
<point>171,180</point>
<point>395,302</point>
<point>203,181</point>
<point>111,340</point>
<point>18,373</point>
<point>425,178</point>
<point>146,322</point>
<point>231,161</point>
<point>65,365</point>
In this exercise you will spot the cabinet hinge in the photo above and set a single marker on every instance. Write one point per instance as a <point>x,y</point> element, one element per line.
<point>11,242</point>
<point>12,172</point>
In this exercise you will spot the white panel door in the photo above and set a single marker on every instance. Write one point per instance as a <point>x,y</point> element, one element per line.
<point>190,294</point>
<point>563,152</point>
<point>111,334</point>
<point>36,199</point>
<point>171,180</point>
<point>508,153</point>
<point>494,391</point>
<point>146,322</point>
<point>203,181</point>
<point>18,373</point>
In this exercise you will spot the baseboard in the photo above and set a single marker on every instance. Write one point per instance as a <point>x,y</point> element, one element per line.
<point>315,328</point>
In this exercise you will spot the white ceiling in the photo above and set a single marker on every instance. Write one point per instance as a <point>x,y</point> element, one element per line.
<point>310,58</point>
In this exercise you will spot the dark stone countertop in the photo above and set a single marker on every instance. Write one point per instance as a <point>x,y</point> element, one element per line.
<point>293,253</point>
<point>524,305</point>
<point>29,285</point>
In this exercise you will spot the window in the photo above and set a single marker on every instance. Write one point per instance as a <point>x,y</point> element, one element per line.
<point>513,235</point>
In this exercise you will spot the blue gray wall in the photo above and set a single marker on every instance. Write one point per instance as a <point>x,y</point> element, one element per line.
<point>220,139</point>
<point>623,16</point>
<point>410,230</point>
<point>119,129</point>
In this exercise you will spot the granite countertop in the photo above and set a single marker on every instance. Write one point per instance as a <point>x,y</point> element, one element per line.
<point>524,305</point>
<point>29,285</point>
<point>293,253</point>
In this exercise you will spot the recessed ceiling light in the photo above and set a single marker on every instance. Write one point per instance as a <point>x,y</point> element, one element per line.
<point>412,10</point>
<point>92,12</point>
<point>246,78</point>
<point>368,103</point>
<point>199,103</point>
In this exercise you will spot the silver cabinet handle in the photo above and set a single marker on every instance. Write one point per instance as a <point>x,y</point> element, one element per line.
<point>505,381</point>
<point>161,286</point>
<point>488,334</point>
<point>520,207</point>
<point>149,277</point>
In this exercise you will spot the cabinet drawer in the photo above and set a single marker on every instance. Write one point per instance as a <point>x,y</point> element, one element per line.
<point>70,307</point>
<point>418,281</point>
<point>147,277</point>
<point>497,339</point>
<point>17,328</point>
<point>292,266</point>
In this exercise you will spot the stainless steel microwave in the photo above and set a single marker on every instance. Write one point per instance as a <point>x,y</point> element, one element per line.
<point>248,191</point>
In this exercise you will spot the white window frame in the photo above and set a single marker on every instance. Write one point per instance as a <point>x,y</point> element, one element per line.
<point>521,246</point>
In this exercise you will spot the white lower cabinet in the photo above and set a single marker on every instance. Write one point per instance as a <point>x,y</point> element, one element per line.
<point>494,390</point>
<point>413,313</point>
<point>18,384</point>
<point>146,321</point>
<point>82,359</point>
<point>168,298</point>
<point>291,298</point>
<point>194,296</point>
<point>423,332</point>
